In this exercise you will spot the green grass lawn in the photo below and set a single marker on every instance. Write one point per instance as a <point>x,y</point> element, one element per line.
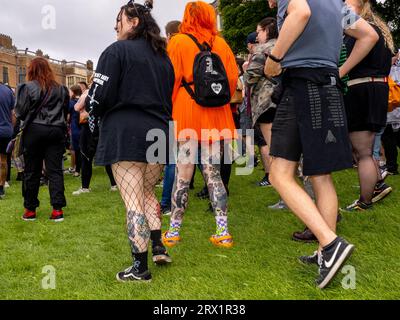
<point>91,246</point>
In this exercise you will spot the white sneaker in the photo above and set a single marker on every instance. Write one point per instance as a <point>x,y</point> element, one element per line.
<point>6,185</point>
<point>80,191</point>
<point>114,189</point>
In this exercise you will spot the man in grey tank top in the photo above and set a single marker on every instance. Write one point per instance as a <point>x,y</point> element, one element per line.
<point>310,119</point>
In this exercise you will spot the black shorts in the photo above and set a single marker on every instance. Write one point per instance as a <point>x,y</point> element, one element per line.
<point>259,137</point>
<point>268,116</point>
<point>3,145</point>
<point>311,121</point>
<point>367,106</point>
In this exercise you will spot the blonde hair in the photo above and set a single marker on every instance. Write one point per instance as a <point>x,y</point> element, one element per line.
<point>373,18</point>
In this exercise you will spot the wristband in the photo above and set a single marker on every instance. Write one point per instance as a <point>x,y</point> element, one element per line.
<point>273,58</point>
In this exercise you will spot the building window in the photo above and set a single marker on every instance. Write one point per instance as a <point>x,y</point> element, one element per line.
<point>70,81</point>
<point>22,75</point>
<point>5,75</point>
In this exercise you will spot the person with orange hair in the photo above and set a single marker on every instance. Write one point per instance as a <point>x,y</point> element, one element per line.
<point>199,127</point>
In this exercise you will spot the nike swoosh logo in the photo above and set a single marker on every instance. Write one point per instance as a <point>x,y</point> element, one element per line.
<point>329,263</point>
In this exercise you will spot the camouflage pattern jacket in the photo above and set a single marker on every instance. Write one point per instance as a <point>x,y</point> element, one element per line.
<point>260,87</point>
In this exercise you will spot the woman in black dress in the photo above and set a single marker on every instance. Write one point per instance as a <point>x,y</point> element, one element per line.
<point>131,95</point>
<point>367,106</point>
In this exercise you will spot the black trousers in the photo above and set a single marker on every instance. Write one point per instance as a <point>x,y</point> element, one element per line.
<point>43,143</point>
<point>8,167</point>
<point>390,142</point>
<point>88,146</point>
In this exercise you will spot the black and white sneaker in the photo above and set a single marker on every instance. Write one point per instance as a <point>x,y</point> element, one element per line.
<point>2,194</point>
<point>265,182</point>
<point>131,274</point>
<point>381,191</point>
<point>166,211</point>
<point>331,260</point>
<point>313,259</point>
<point>160,256</point>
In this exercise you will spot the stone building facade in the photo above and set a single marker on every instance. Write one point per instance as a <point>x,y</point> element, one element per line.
<point>14,64</point>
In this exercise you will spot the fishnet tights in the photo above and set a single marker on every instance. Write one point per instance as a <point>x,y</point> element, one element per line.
<point>136,182</point>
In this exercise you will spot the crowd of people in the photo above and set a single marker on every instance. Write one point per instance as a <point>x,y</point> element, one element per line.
<point>312,110</point>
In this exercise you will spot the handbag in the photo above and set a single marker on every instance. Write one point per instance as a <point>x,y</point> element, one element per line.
<point>238,95</point>
<point>18,148</point>
<point>83,117</point>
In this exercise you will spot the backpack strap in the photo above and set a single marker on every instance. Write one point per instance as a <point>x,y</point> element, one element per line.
<point>188,88</point>
<point>202,47</point>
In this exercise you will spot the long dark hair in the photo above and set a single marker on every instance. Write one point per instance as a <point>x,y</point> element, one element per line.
<point>147,27</point>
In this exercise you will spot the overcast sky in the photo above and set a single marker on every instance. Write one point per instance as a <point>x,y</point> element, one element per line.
<point>83,28</point>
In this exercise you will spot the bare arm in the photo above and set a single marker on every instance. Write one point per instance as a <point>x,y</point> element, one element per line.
<point>80,105</point>
<point>13,118</point>
<point>299,14</point>
<point>366,38</point>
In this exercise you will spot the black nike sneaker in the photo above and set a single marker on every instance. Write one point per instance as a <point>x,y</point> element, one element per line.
<point>160,256</point>
<point>131,274</point>
<point>333,256</point>
<point>381,191</point>
<point>313,259</point>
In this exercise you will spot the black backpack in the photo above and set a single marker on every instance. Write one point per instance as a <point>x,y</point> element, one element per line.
<point>211,85</point>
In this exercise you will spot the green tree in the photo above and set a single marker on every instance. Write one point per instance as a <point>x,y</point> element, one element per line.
<point>240,17</point>
<point>390,12</point>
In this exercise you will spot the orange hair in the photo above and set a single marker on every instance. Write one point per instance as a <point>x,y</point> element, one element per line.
<point>200,20</point>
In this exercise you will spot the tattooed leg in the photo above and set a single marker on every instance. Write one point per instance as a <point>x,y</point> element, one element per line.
<point>151,206</point>
<point>216,188</point>
<point>180,194</point>
<point>129,177</point>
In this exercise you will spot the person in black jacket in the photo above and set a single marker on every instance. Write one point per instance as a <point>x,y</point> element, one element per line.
<point>131,94</point>
<point>42,105</point>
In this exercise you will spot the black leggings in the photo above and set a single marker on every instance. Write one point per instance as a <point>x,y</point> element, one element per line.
<point>391,141</point>
<point>368,171</point>
<point>88,145</point>
<point>8,167</point>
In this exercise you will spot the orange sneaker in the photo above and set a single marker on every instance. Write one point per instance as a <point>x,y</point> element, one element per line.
<point>170,242</point>
<point>222,241</point>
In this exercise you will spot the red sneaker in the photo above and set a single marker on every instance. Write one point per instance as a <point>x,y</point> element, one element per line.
<point>29,215</point>
<point>57,216</point>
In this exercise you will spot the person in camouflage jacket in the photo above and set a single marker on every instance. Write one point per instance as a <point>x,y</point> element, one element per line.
<point>261,88</point>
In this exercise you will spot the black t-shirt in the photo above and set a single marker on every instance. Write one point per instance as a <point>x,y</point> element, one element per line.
<point>130,74</point>
<point>376,64</point>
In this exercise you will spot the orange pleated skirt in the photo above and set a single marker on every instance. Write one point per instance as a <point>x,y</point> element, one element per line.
<point>200,123</point>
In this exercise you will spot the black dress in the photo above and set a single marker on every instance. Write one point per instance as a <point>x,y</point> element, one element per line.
<point>367,103</point>
<point>131,94</point>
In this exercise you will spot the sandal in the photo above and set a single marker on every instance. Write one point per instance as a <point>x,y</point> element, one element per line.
<point>170,242</point>
<point>222,241</point>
